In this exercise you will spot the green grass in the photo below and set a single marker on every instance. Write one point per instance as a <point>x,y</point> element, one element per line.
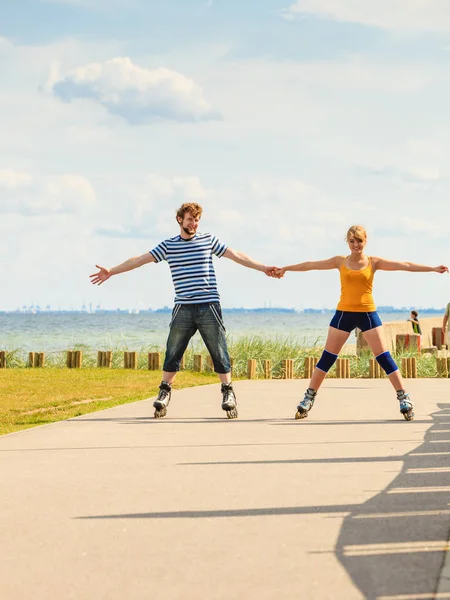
<point>31,397</point>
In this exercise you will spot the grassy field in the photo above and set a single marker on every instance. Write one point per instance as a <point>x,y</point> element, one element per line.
<point>31,397</point>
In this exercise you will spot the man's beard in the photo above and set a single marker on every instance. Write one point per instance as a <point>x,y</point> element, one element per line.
<point>189,231</point>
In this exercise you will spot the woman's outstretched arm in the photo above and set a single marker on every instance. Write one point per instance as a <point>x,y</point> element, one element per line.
<point>382,264</point>
<point>314,265</point>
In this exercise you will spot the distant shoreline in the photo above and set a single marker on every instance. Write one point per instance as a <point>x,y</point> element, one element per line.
<point>166,309</point>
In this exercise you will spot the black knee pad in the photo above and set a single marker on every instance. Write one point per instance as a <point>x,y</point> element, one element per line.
<point>326,361</point>
<point>387,363</point>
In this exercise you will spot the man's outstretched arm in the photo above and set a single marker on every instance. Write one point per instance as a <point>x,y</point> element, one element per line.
<point>246,261</point>
<point>132,263</point>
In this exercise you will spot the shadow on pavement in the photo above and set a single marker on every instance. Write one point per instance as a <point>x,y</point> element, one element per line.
<point>394,544</point>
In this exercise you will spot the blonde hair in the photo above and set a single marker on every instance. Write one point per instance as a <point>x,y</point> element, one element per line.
<point>358,232</point>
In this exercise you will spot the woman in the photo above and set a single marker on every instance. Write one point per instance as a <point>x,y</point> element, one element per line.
<point>356,308</point>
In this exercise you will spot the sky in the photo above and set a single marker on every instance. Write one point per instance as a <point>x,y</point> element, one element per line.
<point>288,121</point>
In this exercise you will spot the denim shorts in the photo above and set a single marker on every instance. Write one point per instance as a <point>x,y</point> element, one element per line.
<point>205,317</point>
<point>347,321</point>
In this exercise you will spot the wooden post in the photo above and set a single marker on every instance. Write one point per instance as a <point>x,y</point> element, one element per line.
<point>375,371</point>
<point>77,358</point>
<point>39,359</point>
<point>405,367</point>
<point>409,367</point>
<point>209,362</point>
<point>343,368</point>
<point>267,367</point>
<point>437,337</point>
<point>104,358</point>
<point>287,368</point>
<point>407,341</point>
<point>361,344</point>
<point>442,367</point>
<point>154,361</point>
<point>31,359</point>
<point>310,365</point>
<point>198,362</point>
<point>251,368</point>
<point>74,359</point>
<point>2,359</point>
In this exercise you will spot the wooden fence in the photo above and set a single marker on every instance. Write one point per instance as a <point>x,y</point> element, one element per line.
<point>287,369</point>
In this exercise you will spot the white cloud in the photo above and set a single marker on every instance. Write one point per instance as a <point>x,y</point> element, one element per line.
<point>20,193</point>
<point>9,178</point>
<point>95,4</point>
<point>420,174</point>
<point>410,15</point>
<point>136,94</point>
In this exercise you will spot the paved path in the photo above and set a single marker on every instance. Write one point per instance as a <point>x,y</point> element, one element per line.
<point>351,503</point>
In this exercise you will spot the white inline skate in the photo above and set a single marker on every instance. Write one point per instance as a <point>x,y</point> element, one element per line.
<point>306,404</point>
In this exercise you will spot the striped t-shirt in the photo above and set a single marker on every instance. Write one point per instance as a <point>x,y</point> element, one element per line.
<point>191,265</point>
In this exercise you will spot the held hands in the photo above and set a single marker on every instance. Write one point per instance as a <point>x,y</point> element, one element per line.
<point>275,272</point>
<point>441,269</point>
<point>101,276</point>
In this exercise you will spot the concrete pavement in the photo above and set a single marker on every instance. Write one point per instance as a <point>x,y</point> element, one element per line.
<point>350,503</point>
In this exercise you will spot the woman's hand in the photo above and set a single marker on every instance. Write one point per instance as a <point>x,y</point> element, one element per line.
<point>278,273</point>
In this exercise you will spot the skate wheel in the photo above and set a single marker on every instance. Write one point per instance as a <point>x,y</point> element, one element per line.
<point>300,415</point>
<point>232,414</point>
<point>160,413</point>
<point>409,415</point>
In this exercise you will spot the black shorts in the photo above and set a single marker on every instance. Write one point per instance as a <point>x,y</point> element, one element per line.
<point>347,321</point>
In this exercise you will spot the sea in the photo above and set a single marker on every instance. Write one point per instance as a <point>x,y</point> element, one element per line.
<point>57,331</point>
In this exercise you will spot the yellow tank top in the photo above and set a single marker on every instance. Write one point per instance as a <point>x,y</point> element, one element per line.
<point>356,289</point>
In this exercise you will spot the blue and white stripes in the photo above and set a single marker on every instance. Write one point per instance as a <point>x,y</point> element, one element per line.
<point>191,265</point>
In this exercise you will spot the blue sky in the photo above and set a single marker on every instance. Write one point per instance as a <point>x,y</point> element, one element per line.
<point>287,120</point>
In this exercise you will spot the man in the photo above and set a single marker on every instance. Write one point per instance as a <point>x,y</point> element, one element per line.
<point>197,301</point>
<point>445,324</point>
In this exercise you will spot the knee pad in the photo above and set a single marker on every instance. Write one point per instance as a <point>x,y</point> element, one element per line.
<point>387,363</point>
<point>326,361</point>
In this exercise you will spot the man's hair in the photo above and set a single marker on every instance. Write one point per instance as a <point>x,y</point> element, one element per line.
<point>358,232</point>
<point>189,207</point>
<point>414,313</point>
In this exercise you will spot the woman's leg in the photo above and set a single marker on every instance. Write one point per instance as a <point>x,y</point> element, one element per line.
<point>377,343</point>
<point>335,340</point>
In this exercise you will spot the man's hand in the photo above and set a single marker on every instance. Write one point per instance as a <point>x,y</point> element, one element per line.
<point>278,272</point>
<point>101,276</point>
<point>441,269</point>
<point>272,272</point>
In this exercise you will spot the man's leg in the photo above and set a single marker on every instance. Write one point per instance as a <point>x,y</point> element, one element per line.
<point>182,328</point>
<point>211,327</point>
